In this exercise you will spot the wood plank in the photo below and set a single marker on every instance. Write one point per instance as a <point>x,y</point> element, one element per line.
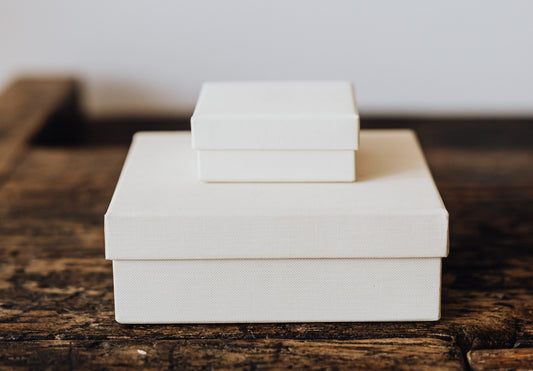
<point>501,359</point>
<point>475,167</point>
<point>54,269</point>
<point>383,354</point>
<point>462,133</point>
<point>26,106</point>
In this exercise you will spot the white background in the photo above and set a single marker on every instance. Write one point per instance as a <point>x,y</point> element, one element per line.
<point>405,57</point>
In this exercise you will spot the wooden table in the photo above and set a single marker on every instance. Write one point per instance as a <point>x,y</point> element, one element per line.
<point>57,174</point>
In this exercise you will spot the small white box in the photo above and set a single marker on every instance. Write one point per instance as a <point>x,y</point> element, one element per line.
<point>276,115</point>
<point>185,251</point>
<point>268,166</point>
<point>315,117</point>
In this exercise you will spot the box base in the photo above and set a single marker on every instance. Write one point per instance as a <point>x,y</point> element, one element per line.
<point>276,166</point>
<point>277,290</point>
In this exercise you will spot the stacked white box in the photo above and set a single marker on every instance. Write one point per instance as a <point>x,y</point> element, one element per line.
<point>276,131</point>
<point>187,251</point>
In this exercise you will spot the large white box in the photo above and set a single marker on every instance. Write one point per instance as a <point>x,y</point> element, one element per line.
<point>276,290</point>
<point>186,251</point>
<point>276,131</point>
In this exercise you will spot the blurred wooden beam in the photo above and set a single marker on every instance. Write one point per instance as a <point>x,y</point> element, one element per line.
<point>26,106</point>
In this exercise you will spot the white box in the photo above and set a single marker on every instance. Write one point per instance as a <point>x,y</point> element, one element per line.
<point>276,115</point>
<point>276,290</point>
<point>315,117</point>
<point>187,251</point>
<point>287,166</point>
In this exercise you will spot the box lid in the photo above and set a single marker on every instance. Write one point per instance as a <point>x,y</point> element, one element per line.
<point>161,211</point>
<point>270,115</point>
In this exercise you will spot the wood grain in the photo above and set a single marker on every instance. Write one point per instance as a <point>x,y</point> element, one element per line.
<point>501,359</point>
<point>56,289</point>
<point>392,354</point>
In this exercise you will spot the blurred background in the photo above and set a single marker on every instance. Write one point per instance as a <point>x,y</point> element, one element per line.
<point>406,58</point>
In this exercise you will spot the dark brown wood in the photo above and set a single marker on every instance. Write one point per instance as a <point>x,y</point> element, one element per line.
<point>56,289</point>
<point>501,359</point>
<point>392,354</point>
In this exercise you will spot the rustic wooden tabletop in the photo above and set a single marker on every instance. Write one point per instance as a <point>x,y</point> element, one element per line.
<point>57,174</point>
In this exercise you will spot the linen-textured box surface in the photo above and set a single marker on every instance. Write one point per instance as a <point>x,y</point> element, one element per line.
<point>276,131</point>
<point>186,251</point>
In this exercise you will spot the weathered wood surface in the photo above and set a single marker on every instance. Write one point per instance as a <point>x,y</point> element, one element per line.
<point>502,359</point>
<point>56,290</point>
<point>397,354</point>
